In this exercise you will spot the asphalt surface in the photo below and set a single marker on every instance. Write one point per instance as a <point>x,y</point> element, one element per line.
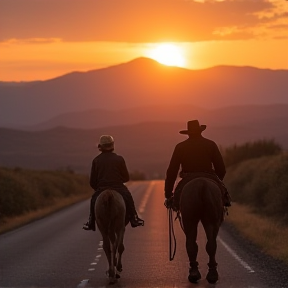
<point>56,252</point>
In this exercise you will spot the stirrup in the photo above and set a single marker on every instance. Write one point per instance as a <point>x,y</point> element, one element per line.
<point>135,222</point>
<point>88,226</point>
<point>140,221</point>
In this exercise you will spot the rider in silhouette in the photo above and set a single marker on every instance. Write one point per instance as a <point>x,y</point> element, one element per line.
<point>197,157</point>
<point>109,171</point>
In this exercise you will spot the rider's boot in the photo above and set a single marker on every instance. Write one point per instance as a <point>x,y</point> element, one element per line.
<point>90,224</point>
<point>136,221</point>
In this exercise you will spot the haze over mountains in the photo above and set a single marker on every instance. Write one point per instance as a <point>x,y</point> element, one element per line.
<point>147,147</point>
<point>255,115</point>
<point>143,104</point>
<point>138,83</point>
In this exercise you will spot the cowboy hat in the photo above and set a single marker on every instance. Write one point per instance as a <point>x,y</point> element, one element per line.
<point>193,126</point>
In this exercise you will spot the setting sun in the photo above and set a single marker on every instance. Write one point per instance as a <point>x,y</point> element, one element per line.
<point>168,54</point>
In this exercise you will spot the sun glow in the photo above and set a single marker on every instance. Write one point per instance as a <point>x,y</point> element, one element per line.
<point>168,54</point>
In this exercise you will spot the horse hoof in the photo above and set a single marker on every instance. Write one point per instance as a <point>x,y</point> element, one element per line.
<point>194,275</point>
<point>112,281</point>
<point>212,276</point>
<point>118,272</point>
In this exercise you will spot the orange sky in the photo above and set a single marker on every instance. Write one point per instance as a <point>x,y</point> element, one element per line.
<point>42,39</point>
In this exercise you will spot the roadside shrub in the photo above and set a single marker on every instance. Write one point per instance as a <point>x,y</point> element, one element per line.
<point>262,184</point>
<point>250,150</point>
<point>137,175</point>
<point>27,190</point>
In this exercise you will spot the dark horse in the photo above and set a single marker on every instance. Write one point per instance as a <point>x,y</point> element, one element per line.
<point>110,211</point>
<point>201,200</point>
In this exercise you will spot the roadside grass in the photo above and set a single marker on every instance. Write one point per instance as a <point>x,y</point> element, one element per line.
<point>259,188</point>
<point>10,223</point>
<point>270,235</point>
<point>27,195</point>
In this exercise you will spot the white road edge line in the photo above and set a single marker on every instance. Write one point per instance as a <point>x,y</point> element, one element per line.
<point>234,255</point>
<point>146,197</point>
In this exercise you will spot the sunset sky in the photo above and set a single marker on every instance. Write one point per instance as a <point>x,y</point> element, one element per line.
<point>43,39</point>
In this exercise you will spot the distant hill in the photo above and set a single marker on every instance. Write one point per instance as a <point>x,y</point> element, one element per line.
<point>138,83</point>
<point>13,83</point>
<point>147,147</point>
<point>258,115</point>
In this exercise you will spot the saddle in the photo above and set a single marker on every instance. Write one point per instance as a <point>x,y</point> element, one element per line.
<point>226,198</point>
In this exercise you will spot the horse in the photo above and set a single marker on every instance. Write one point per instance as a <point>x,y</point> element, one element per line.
<point>110,216</point>
<point>201,201</point>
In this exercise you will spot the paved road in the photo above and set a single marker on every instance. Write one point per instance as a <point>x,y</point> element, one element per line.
<point>56,252</point>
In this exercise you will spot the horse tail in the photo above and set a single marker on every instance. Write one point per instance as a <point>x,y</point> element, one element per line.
<point>108,204</point>
<point>211,199</point>
<point>107,201</point>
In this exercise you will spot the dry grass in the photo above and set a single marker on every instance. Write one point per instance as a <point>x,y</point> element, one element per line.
<point>8,224</point>
<point>271,237</point>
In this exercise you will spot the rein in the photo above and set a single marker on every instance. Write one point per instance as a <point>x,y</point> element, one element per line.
<point>172,238</point>
<point>180,220</point>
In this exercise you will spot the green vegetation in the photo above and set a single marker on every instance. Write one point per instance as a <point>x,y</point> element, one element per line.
<point>258,183</point>
<point>137,175</point>
<point>258,177</point>
<point>26,192</point>
<point>262,184</point>
<point>250,150</point>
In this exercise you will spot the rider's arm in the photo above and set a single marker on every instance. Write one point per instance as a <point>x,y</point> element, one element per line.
<point>124,171</point>
<point>218,163</point>
<point>171,173</point>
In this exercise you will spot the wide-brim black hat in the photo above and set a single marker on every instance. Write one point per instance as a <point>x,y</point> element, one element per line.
<point>193,126</point>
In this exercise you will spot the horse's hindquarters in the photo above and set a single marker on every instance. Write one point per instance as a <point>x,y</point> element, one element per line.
<point>191,202</point>
<point>110,211</point>
<point>201,199</point>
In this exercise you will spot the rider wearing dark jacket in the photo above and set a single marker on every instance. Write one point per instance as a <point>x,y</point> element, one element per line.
<point>109,171</point>
<point>196,157</point>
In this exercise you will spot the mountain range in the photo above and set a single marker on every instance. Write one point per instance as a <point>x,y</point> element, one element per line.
<point>141,82</point>
<point>56,124</point>
<point>245,115</point>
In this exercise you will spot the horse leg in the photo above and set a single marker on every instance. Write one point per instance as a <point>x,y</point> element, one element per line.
<point>121,249</point>
<point>192,251</point>
<point>109,252</point>
<point>211,247</point>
